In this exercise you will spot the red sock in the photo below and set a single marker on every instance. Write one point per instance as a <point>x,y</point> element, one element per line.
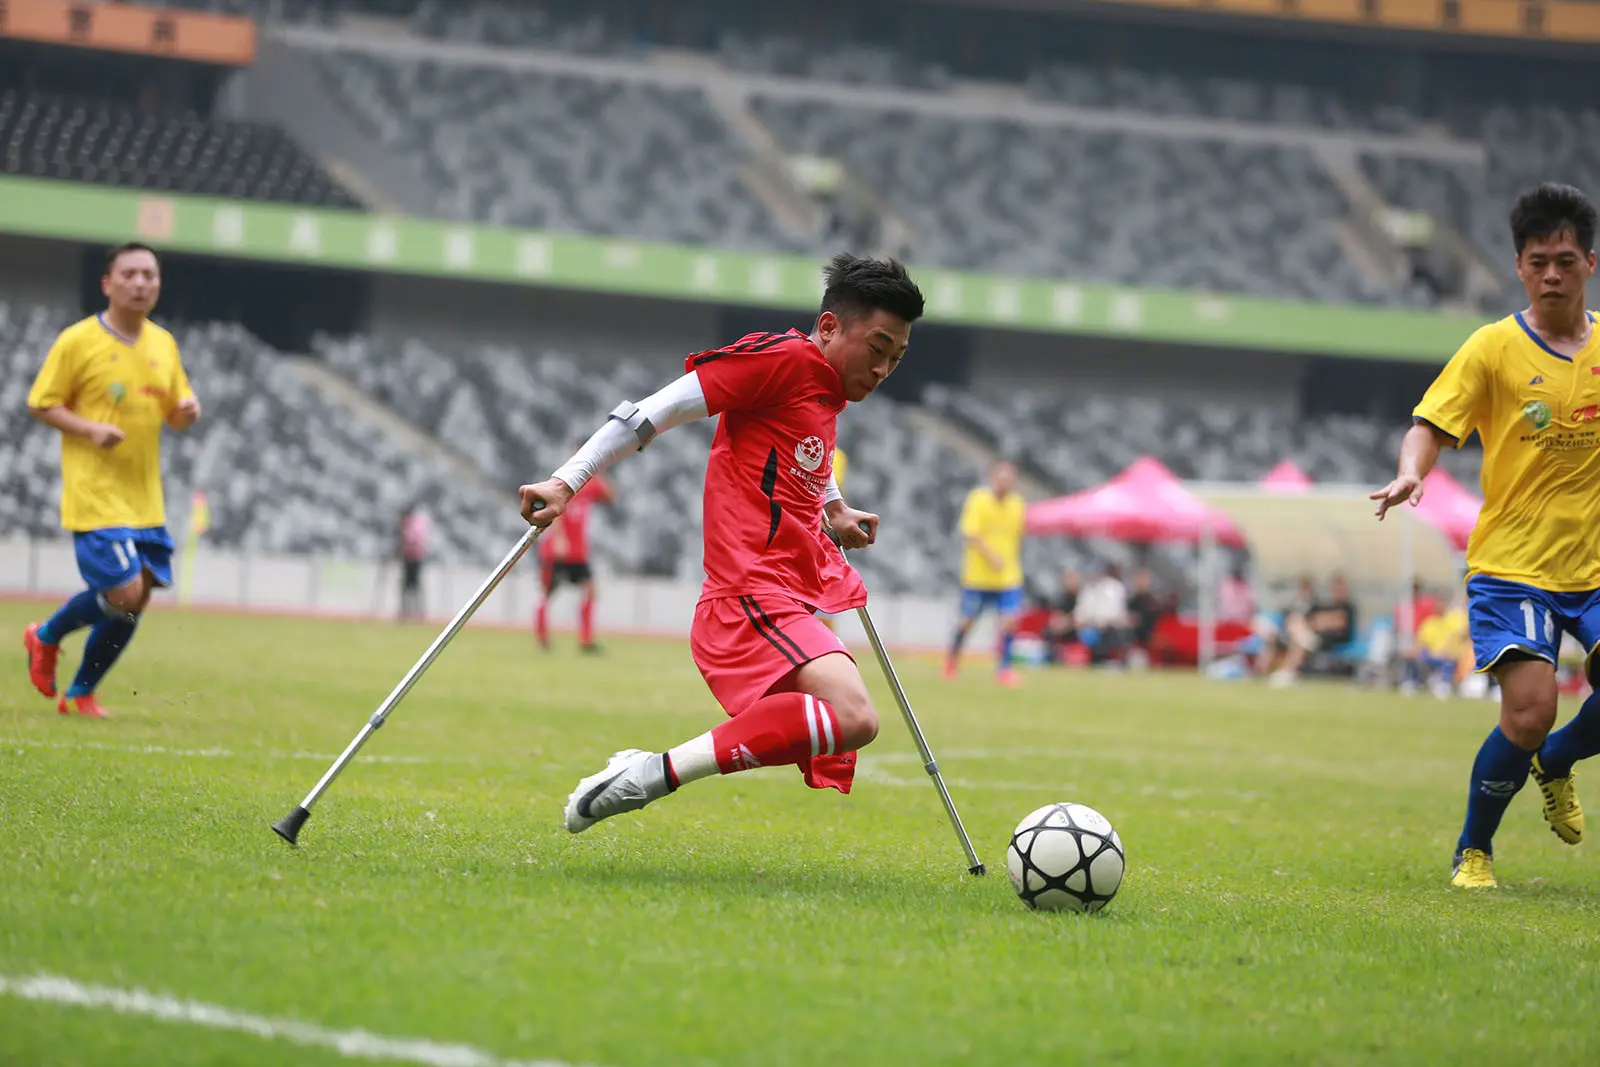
<point>586,621</point>
<point>541,622</point>
<point>778,729</point>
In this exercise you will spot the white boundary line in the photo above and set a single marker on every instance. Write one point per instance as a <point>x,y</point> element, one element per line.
<point>353,1044</point>
<point>213,753</point>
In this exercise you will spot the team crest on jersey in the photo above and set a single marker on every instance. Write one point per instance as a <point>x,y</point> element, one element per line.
<point>118,391</point>
<point>809,453</point>
<point>1537,412</point>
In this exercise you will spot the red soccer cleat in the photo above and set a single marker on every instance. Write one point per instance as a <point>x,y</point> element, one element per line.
<point>949,669</point>
<point>41,660</point>
<point>1009,678</point>
<point>87,706</point>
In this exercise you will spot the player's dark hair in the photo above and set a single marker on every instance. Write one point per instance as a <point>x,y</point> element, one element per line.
<point>113,254</point>
<point>857,286</point>
<point>1549,209</point>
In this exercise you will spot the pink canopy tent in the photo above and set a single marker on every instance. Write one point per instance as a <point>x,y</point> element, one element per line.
<point>1448,506</point>
<point>1146,502</point>
<point>1286,477</point>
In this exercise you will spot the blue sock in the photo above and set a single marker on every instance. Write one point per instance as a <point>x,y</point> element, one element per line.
<point>82,610</point>
<point>106,642</point>
<point>1577,740</point>
<point>1499,771</point>
<point>1005,650</point>
<point>957,641</point>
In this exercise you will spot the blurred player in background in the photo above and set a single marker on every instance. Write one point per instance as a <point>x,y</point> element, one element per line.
<point>790,687</point>
<point>108,385</point>
<point>564,558</point>
<point>415,534</point>
<point>1529,385</point>
<point>992,521</point>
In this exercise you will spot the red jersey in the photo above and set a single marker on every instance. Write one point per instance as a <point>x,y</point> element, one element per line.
<point>567,540</point>
<point>779,403</point>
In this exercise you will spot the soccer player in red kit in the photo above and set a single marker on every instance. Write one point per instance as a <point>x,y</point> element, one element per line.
<point>791,690</point>
<point>564,557</point>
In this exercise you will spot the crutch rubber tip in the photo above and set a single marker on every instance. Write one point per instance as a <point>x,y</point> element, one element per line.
<point>288,827</point>
<point>979,869</point>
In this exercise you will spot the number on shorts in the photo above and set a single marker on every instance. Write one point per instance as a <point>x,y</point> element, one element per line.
<point>126,552</point>
<point>1530,621</point>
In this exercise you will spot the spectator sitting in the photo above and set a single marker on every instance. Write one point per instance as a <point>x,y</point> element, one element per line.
<point>1102,615</point>
<point>1275,633</point>
<point>1062,629</point>
<point>1328,625</point>
<point>1144,607</point>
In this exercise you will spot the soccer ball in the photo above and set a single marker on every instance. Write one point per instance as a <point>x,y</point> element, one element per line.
<point>1065,857</point>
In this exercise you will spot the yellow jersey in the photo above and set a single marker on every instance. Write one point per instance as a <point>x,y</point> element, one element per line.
<point>134,386</point>
<point>998,525</point>
<point>1444,635</point>
<point>841,463</point>
<point>1538,415</point>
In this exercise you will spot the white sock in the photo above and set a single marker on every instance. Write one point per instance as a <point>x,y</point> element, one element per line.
<point>693,760</point>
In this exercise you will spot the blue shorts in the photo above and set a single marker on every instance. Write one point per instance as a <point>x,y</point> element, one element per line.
<point>1003,601</point>
<point>1509,616</point>
<point>114,556</point>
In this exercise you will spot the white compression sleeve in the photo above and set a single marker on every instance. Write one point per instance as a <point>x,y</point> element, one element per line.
<point>680,402</point>
<point>830,494</point>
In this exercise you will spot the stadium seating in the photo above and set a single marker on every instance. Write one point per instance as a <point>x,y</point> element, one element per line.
<point>578,154</point>
<point>1526,146</point>
<point>50,136</point>
<point>1104,206</point>
<point>563,153</point>
<point>284,470</point>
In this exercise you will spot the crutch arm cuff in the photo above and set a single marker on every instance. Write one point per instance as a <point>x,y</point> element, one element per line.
<point>629,414</point>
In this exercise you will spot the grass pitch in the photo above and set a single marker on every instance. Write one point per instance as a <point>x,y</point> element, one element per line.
<point>1286,898</point>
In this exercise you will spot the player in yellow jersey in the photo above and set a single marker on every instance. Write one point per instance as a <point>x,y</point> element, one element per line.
<point>991,567</point>
<point>109,384</point>
<point>1529,385</point>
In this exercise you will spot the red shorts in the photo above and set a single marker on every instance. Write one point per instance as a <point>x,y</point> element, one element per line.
<point>750,647</point>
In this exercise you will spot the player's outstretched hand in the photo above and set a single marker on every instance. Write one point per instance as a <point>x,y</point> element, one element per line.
<point>855,529</point>
<point>104,435</point>
<point>185,413</point>
<point>544,502</point>
<point>1406,488</point>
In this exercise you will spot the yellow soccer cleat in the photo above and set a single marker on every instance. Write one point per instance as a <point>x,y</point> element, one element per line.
<point>1561,807</point>
<point>1474,869</point>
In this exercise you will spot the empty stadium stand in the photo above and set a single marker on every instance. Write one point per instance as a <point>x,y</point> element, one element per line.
<point>46,135</point>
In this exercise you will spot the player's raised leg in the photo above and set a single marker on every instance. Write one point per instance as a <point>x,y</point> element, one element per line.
<point>43,640</point>
<point>108,639</point>
<point>794,696</point>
